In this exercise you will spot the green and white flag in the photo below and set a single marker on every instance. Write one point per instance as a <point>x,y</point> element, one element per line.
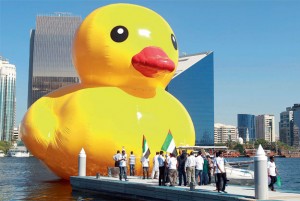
<point>146,150</point>
<point>169,144</point>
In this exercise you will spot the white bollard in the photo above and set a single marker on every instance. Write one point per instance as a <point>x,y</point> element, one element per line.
<point>82,163</point>
<point>261,174</point>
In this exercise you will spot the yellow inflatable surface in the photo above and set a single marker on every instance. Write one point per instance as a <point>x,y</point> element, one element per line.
<point>125,56</point>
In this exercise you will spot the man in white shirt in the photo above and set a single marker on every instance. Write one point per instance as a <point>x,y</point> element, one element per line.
<point>122,165</point>
<point>199,167</point>
<point>155,169</point>
<point>116,158</point>
<point>220,170</point>
<point>172,169</point>
<point>161,162</point>
<point>145,165</point>
<point>132,163</point>
<point>272,171</point>
<point>190,168</point>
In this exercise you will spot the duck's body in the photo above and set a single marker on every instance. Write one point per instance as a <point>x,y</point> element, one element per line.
<point>102,120</point>
<point>125,56</point>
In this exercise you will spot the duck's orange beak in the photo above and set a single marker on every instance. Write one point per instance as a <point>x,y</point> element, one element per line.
<point>152,61</point>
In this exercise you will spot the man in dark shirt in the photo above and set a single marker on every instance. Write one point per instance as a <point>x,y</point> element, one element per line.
<point>181,167</point>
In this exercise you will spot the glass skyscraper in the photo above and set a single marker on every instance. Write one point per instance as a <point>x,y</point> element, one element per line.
<point>50,62</point>
<point>7,99</point>
<point>296,128</point>
<point>193,86</point>
<point>246,127</point>
<point>289,126</point>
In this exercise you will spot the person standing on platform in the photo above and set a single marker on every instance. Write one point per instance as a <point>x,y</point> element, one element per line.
<point>167,160</point>
<point>199,168</point>
<point>122,165</point>
<point>205,171</point>
<point>161,162</point>
<point>155,169</point>
<point>272,172</point>
<point>172,169</point>
<point>181,167</point>
<point>145,165</point>
<point>116,158</point>
<point>221,174</point>
<point>215,168</point>
<point>210,168</point>
<point>132,163</point>
<point>190,168</point>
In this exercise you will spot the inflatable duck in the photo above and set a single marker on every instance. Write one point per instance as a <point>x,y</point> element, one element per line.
<point>125,56</point>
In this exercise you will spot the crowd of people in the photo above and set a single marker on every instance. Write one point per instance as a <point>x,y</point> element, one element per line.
<point>194,168</point>
<point>186,168</point>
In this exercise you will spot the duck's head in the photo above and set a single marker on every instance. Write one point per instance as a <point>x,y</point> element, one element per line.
<point>126,46</point>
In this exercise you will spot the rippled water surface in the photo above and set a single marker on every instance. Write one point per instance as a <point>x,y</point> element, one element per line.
<point>29,179</point>
<point>289,171</point>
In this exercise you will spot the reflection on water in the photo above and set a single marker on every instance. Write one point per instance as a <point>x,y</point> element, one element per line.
<point>29,179</point>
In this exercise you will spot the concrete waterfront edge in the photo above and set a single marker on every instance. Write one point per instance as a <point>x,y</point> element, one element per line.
<point>140,190</point>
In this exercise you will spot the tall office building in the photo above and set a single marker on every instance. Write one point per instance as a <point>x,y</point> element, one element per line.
<point>193,86</point>
<point>289,126</point>
<point>7,99</point>
<point>286,126</point>
<point>246,127</point>
<point>50,62</point>
<point>265,127</point>
<point>296,127</point>
<point>224,133</point>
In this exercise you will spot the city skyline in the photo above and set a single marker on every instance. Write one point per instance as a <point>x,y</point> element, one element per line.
<point>257,52</point>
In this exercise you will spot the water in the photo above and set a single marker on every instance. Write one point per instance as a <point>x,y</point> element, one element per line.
<point>29,179</point>
<point>289,171</point>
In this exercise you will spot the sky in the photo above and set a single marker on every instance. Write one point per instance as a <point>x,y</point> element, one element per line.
<point>256,46</point>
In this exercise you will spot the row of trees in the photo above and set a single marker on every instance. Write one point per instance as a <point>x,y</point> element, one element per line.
<point>5,146</point>
<point>276,147</point>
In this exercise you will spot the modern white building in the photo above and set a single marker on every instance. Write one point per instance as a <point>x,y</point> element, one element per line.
<point>7,99</point>
<point>224,133</point>
<point>265,127</point>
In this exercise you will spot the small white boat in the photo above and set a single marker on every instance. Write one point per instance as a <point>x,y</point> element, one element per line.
<point>17,153</point>
<point>2,154</point>
<point>239,176</point>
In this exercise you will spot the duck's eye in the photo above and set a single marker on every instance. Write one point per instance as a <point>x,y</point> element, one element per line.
<point>174,41</point>
<point>119,34</point>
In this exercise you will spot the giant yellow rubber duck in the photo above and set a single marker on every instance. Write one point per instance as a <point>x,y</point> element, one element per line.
<point>125,56</point>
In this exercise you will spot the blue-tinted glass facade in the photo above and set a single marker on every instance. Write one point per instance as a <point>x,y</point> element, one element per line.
<point>296,126</point>
<point>246,123</point>
<point>194,88</point>
<point>7,99</point>
<point>50,61</point>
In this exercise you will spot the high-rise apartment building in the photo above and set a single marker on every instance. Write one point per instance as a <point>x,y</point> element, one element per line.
<point>289,126</point>
<point>246,127</point>
<point>193,86</point>
<point>7,99</point>
<point>224,133</point>
<point>265,127</point>
<point>50,62</point>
